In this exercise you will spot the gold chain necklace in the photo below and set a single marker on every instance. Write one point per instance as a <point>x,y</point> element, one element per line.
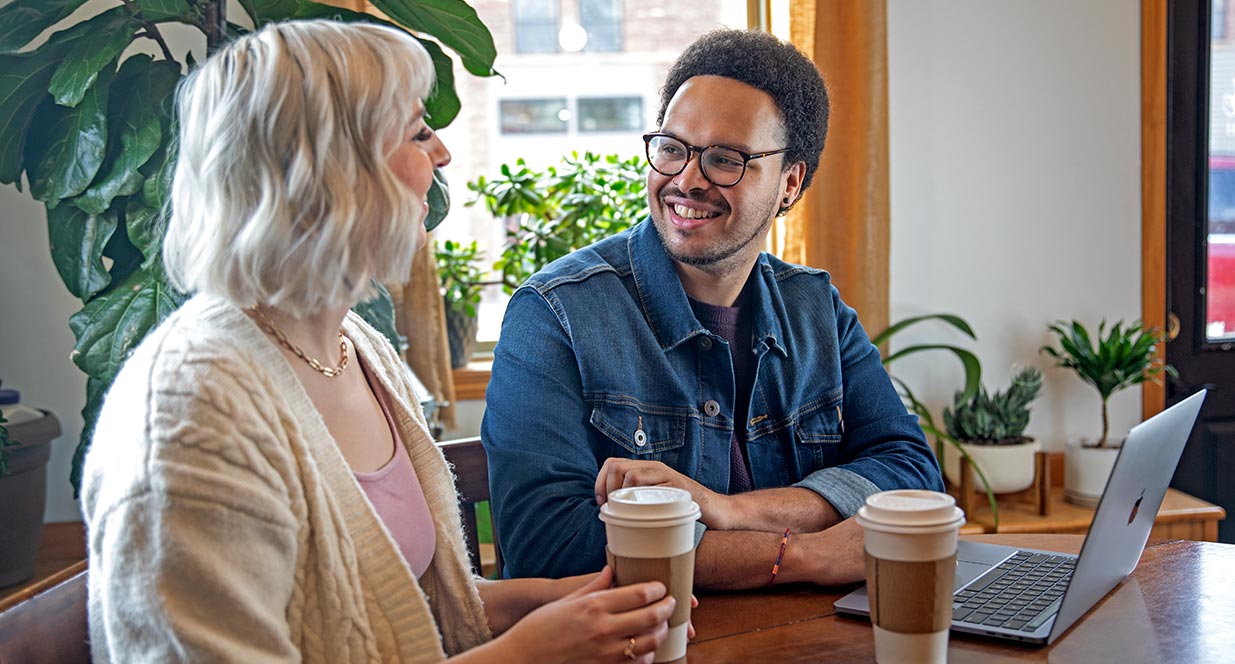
<point>270,328</point>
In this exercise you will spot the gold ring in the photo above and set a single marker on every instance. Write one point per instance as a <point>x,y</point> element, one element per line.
<point>630,649</point>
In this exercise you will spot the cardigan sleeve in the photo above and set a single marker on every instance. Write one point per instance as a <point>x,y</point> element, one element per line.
<point>192,536</point>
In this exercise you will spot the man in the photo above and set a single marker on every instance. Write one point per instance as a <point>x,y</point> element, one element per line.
<point>677,353</point>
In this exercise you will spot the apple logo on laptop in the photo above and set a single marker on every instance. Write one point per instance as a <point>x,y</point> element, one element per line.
<point>1136,507</point>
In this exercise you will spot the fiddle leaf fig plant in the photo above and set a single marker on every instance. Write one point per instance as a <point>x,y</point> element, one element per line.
<point>89,122</point>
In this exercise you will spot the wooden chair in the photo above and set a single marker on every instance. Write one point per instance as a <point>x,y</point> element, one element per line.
<point>47,621</point>
<point>472,468</point>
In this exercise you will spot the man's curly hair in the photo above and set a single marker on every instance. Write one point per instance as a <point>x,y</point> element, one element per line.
<point>764,62</point>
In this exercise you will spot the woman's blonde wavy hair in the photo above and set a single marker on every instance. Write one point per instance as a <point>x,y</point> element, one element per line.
<point>282,194</point>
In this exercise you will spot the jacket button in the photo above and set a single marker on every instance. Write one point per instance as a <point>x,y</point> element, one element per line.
<point>705,343</point>
<point>711,408</point>
<point>641,438</point>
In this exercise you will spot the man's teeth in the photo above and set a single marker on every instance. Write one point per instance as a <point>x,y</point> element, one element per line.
<point>691,213</point>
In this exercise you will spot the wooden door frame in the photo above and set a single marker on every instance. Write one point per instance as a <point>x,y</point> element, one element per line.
<point>1153,184</point>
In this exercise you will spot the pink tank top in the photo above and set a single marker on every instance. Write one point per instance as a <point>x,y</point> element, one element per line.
<point>397,497</point>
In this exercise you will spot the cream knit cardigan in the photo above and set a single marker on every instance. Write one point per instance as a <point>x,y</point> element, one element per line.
<point>225,525</point>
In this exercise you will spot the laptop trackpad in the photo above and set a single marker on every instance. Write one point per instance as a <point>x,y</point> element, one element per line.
<point>966,572</point>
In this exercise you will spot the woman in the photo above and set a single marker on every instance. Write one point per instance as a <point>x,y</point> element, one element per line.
<point>262,486</point>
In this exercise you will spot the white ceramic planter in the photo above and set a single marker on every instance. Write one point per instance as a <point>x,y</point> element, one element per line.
<point>1086,470</point>
<point>1008,468</point>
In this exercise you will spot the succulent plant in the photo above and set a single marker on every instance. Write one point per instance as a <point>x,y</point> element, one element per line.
<point>997,418</point>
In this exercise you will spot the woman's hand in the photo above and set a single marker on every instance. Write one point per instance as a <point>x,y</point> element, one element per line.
<point>595,624</point>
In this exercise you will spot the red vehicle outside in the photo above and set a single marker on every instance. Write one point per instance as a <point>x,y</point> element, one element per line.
<point>1220,267</point>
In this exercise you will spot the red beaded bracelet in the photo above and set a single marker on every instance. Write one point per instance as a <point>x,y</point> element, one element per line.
<point>784,541</point>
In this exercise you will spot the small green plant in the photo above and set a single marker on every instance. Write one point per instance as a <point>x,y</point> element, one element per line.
<point>458,267</point>
<point>561,208</point>
<point>1121,357</point>
<point>995,419</point>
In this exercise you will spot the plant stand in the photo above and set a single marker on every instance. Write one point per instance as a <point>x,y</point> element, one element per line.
<point>23,493</point>
<point>969,490</point>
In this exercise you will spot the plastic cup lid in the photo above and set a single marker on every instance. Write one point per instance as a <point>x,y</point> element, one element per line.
<point>638,503</point>
<point>910,508</point>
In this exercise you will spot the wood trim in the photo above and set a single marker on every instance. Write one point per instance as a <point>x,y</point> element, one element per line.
<point>1153,185</point>
<point>472,381</point>
<point>43,585</point>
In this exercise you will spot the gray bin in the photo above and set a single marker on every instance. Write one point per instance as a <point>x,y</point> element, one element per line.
<point>23,494</point>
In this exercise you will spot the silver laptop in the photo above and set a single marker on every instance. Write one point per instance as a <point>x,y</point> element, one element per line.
<point>1035,596</point>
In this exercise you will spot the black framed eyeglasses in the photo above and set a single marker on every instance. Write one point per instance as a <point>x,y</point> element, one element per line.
<point>722,165</point>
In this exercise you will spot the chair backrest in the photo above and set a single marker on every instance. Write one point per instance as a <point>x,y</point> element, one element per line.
<point>471,464</point>
<point>47,622</point>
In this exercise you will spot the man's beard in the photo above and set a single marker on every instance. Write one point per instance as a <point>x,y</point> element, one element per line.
<point>722,249</point>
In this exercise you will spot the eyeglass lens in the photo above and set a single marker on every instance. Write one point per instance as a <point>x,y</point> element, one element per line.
<point>722,166</point>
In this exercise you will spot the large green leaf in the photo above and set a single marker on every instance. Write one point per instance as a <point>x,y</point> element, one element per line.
<point>113,323</point>
<point>951,319</point>
<point>105,36</point>
<point>973,367</point>
<point>157,11</point>
<point>64,151</point>
<point>77,242</point>
<point>23,85</point>
<point>262,12</point>
<point>135,121</point>
<point>439,200</point>
<point>452,22</point>
<point>146,227</point>
<point>23,20</point>
<point>96,389</point>
<point>380,313</point>
<point>443,105</point>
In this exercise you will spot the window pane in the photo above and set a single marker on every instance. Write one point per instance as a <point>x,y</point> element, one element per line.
<point>534,116</point>
<point>602,19</point>
<point>535,26</point>
<point>1220,272</point>
<point>611,114</point>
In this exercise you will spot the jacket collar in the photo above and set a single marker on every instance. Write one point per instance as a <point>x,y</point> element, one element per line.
<point>664,303</point>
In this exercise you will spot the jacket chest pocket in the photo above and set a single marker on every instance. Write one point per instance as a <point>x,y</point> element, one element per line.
<point>817,436</point>
<point>641,433</point>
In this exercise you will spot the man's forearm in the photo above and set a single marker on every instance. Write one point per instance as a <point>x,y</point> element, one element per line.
<point>774,510</point>
<point>743,559</point>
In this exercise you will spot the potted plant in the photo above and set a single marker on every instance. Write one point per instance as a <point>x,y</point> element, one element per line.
<point>553,211</point>
<point>25,448</point>
<point>1118,358</point>
<point>88,122</point>
<point>990,427</point>
<point>458,267</point>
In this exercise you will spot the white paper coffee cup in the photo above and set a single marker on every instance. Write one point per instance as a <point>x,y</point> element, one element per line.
<point>910,542</point>
<point>651,536</point>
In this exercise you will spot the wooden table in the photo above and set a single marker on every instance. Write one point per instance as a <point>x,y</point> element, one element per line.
<point>1178,606</point>
<point>1181,517</point>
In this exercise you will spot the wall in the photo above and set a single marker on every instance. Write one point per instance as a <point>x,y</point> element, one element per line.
<point>1015,157</point>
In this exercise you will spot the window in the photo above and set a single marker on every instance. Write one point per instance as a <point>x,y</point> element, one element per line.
<point>534,116</point>
<point>535,26</point>
<point>602,21</point>
<point>611,114</point>
<point>554,101</point>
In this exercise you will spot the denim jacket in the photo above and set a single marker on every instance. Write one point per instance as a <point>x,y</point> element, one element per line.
<point>601,356</point>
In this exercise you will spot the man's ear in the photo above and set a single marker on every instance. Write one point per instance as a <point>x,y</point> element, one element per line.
<point>792,187</point>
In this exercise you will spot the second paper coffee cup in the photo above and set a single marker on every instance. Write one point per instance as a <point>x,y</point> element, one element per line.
<point>651,537</point>
<point>910,542</point>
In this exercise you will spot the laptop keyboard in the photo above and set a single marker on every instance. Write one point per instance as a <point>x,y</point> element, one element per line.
<point>1020,593</point>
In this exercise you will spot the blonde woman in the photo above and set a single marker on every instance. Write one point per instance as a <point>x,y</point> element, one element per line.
<point>262,486</point>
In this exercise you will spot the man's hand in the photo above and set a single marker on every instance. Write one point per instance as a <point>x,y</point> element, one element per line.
<point>618,473</point>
